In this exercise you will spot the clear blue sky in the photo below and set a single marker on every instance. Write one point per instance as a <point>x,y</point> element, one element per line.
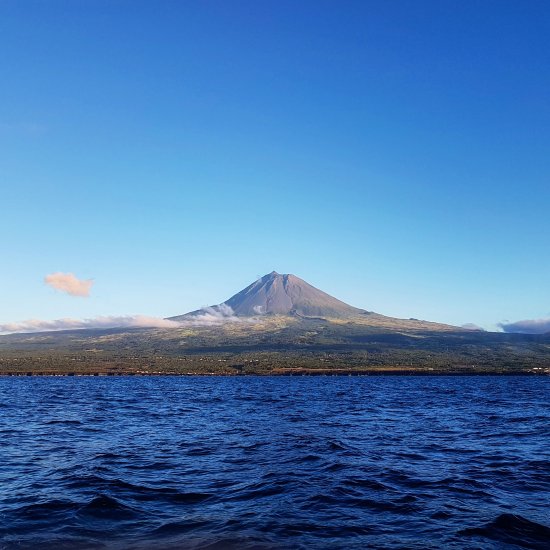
<point>395,154</point>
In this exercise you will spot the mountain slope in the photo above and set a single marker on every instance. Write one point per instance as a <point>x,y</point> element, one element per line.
<point>273,344</point>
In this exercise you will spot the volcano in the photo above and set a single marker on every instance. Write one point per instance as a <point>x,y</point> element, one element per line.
<point>280,294</point>
<point>277,325</point>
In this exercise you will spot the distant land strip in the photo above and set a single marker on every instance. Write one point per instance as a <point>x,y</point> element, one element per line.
<point>279,325</point>
<point>212,369</point>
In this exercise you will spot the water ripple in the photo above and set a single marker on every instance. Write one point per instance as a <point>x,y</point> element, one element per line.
<point>274,463</point>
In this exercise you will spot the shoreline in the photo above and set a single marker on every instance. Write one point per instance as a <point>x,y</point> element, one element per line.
<point>339,372</point>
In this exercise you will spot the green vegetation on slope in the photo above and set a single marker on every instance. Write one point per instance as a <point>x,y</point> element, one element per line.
<point>274,344</point>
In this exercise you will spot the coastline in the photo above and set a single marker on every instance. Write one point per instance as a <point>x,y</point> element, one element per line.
<point>288,373</point>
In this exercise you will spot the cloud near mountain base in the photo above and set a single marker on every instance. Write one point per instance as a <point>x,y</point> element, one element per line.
<point>472,326</point>
<point>212,315</point>
<point>209,316</point>
<point>125,321</point>
<point>527,326</point>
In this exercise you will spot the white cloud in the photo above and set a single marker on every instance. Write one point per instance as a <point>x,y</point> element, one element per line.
<point>208,316</point>
<point>125,321</point>
<point>69,283</point>
<point>213,315</point>
<point>527,326</point>
<point>472,326</point>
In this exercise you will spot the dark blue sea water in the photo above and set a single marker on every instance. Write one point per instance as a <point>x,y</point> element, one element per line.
<point>289,462</point>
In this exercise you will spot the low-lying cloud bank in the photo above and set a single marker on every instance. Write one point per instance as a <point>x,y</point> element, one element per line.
<point>69,283</point>
<point>207,316</point>
<point>125,321</point>
<point>528,326</point>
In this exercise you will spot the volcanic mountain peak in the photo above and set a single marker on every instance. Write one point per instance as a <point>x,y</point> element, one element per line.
<point>284,294</point>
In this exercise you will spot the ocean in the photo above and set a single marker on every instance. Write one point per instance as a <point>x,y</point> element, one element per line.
<point>275,462</point>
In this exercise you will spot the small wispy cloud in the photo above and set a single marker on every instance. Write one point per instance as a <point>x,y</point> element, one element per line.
<point>472,326</point>
<point>124,321</point>
<point>69,283</point>
<point>527,326</point>
<point>26,129</point>
<point>212,315</point>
